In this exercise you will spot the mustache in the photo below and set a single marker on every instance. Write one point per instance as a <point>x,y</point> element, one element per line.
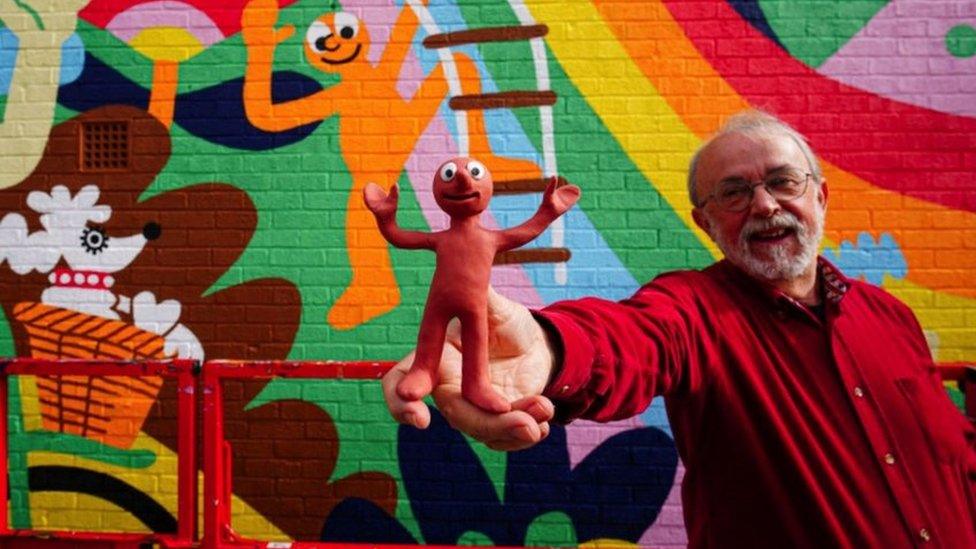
<point>781,220</point>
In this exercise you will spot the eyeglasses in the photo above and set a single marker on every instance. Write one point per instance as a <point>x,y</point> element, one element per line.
<point>736,195</point>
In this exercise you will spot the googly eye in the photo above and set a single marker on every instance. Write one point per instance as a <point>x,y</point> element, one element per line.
<point>94,240</point>
<point>448,171</point>
<point>347,24</point>
<point>318,32</point>
<point>477,169</point>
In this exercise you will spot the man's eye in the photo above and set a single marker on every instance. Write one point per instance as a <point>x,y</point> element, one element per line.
<point>781,182</point>
<point>734,191</point>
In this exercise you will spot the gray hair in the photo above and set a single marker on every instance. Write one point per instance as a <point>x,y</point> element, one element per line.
<point>754,122</point>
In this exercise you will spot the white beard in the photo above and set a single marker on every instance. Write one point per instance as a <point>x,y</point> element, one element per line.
<point>782,263</point>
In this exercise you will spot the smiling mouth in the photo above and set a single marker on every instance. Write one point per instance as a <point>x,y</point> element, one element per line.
<point>461,197</point>
<point>342,61</point>
<point>773,236</point>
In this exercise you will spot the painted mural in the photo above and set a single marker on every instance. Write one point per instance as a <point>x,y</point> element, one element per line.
<point>182,178</point>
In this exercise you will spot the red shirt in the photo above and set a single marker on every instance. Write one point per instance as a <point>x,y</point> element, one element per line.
<point>795,431</point>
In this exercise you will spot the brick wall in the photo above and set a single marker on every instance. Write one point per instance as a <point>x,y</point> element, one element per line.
<point>144,131</point>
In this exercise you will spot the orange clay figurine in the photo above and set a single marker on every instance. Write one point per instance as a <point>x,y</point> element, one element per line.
<point>465,251</point>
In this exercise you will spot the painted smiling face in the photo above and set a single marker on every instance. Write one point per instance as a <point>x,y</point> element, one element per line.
<point>336,41</point>
<point>463,187</point>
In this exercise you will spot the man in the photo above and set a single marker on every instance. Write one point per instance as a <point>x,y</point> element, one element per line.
<point>804,405</point>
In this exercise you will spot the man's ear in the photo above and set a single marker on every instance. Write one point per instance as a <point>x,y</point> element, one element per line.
<point>701,220</point>
<point>823,193</point>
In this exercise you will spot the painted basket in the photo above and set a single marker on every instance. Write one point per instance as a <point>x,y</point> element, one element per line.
<point>109,409</point>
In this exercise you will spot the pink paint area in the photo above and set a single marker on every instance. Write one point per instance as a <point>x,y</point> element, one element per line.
<point>167,13</point>
<point>435,146</point>
<point>669,528</point>
<point>901,54</point>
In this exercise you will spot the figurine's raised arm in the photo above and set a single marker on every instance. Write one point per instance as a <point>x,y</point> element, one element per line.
<point>555,202</point>
<point>384,208</point>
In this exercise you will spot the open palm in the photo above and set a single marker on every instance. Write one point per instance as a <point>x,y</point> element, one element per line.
<point>520,362</point>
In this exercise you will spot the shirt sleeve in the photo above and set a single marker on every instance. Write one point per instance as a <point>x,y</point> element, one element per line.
<point>617,356</point>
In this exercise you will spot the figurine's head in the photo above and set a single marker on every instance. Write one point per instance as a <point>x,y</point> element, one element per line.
<point>336,42</point>
<point>462,187</point>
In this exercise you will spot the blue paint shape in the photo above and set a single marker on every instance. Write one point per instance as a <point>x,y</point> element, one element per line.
<point>616,492</point>
<point>99,85</point>
<point>72,59</point>
<point>751,11</point>
<point>216,114</point>
<point>869,260</point>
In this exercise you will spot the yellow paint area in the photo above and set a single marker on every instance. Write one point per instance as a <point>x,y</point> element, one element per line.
<point>67,511</point>
<point>166,44</point>
<point>608,544</point>
<point>654,137</point>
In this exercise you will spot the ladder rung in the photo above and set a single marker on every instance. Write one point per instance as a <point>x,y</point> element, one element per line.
<point>487,34</point>
<point>523,186</point>
<point>533,255</point>
<point>503,100</point>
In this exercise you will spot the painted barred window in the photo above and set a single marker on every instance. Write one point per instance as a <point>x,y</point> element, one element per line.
<point>105,146</point>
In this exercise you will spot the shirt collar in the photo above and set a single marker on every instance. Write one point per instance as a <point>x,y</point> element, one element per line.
<point>833,287</point>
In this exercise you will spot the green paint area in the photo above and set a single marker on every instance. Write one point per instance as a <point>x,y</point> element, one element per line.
<point>961,41</point>
<point>813,30</point>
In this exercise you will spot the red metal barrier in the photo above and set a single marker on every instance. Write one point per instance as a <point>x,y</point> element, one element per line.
<point>184,371</point>
<point>218,532</point>
<point>217,453</point>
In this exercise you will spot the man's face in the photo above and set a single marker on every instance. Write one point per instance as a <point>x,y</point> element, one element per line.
<point>770,239</point>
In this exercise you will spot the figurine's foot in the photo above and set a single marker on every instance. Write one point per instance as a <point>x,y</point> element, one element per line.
<point>486,398</point>
<point>360,304</point>
<point>415,385</point>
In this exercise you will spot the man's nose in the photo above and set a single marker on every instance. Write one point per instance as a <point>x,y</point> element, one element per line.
<point>763,203</point>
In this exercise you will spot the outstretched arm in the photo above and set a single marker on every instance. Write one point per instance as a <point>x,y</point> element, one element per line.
<point>401,37</point>
<point>384,208</point>
<point>261,39</point>
<point>555,202</point>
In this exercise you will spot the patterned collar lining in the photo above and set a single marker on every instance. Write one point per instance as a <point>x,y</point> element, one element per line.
<point>834,282</point>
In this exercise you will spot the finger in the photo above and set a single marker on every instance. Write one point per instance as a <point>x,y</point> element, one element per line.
<point>395,192</point>
<point>509,431</point>
<point>408,412</point>
<point>539,407</point>
<point>522,433</point>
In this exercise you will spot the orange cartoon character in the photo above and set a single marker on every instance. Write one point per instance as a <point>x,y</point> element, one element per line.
<point>378,128</point>
<point>465,251</point>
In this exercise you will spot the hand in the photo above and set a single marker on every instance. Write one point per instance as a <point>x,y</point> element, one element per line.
<point>520,360</point>
<point>560,199</point>
<point>257,23</point>
<point>382,205</point>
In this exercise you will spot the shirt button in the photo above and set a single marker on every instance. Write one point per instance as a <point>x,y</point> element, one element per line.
<point>924,534</point>
<point>858,392</point>
<point>889,459</point>
<point>563,389</point>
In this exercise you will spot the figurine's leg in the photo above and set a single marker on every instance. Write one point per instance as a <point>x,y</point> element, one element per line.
<point>419,381</point>
<point>475,376</point>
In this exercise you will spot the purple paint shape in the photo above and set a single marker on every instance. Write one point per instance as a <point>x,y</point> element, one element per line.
<point>434,146</point>
<point>901,54</point>
<point>582,436</point>
<point>166,13</point>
